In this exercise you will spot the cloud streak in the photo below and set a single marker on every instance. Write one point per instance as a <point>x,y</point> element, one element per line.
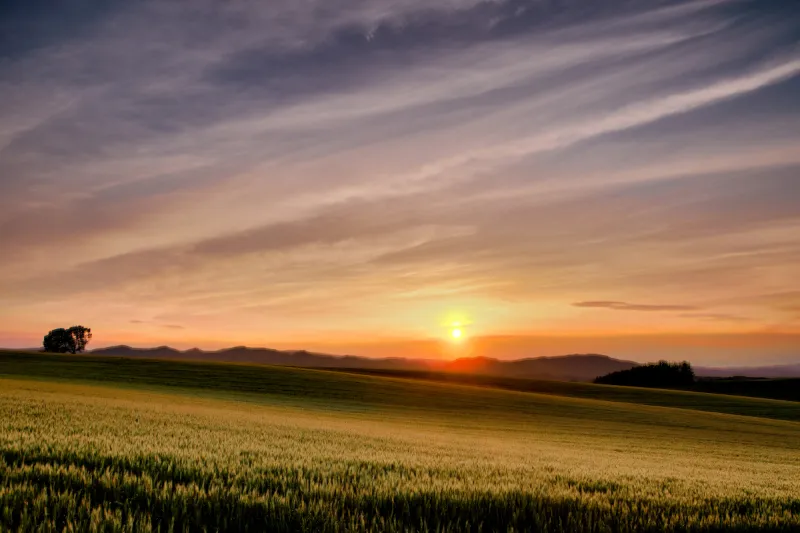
<point>716,317</point>
<point>624,306</point>
<point>366,168</point>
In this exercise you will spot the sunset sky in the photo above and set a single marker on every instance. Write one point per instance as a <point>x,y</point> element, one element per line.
<point>358,176</point>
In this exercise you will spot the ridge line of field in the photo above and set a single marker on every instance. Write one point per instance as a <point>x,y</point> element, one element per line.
<point>321,385</point>
<point>229,398</point>
<point>489,381</point>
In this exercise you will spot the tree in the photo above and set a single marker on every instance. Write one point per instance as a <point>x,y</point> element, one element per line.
<point>80,337</point>
<point>58,341</point>
<point>660,375</point>
<point>72,340</point>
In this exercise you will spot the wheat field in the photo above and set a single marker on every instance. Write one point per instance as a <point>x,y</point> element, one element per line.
<point>103,457</point>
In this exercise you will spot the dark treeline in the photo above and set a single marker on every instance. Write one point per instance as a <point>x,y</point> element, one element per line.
<point>661,375</point>
<point>777,389</point>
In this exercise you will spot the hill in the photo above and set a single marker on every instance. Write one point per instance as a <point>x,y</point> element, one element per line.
<point>770,389</point>
<point>263,356</point>
<point>680,376</point>
<point>778,388</point>
<point>774,371</point>
<point>576,367</point>
<point>93,443</point>
<point>234,380</point>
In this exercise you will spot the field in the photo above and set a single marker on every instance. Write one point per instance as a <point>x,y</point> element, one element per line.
<point>94,444</point>
<point>775,389</point>
<point>355,388</point>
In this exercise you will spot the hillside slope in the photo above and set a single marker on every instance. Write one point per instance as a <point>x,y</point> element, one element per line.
<point>346,389</point>
<point>415,457</point>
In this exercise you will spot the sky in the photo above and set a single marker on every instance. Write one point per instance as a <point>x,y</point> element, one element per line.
<point>353,176</point>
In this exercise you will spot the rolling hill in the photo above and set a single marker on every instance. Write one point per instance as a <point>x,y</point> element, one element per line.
<point>576,367</point>
<point>91,443</point>
<point>234,380</point>
<point>773,371</point>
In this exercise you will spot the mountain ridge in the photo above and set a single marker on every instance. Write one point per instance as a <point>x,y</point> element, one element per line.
<point>573,367</point>
<point>766,371</point>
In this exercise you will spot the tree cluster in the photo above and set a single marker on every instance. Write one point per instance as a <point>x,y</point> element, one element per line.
<point>659,375</point>
<point>70,340</point>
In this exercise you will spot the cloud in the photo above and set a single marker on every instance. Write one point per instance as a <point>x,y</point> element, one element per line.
<point>628,117</point>
<point>164,326</point>
<point>261,165</point>
<point>623,306</point>
<point>781,301</point>
<point>692,239</point>
<point>716,317</point>
<point>350,220</point>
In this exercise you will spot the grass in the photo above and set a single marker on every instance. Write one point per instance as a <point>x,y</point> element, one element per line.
<point>94,444</point>
<point>355,391</point>
<point>718,396</point>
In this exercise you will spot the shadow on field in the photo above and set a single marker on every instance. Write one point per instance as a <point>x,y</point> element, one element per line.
<point>360,391</point>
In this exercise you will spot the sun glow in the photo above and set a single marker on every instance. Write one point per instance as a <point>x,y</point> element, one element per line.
<point>456,333</point>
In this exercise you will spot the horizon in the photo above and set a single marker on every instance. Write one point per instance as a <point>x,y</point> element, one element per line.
<point>400,265</point>
<point>443,352</point>
<point>505,179</point>
<point>709,350</point>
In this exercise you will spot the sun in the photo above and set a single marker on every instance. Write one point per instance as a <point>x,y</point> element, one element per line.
<point>456,333</point>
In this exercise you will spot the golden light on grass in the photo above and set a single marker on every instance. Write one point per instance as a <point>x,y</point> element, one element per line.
<point>289,449</point>
<point>204,462</point>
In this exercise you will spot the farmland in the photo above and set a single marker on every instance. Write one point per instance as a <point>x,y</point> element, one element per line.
<point>100,444</point>
<point>354,390</point>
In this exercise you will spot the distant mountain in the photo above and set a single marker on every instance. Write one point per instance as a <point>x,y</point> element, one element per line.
<point>575,367</point>
<point>567,367</point>
<point>775,371</point>
<point>161,352</point>
<point>266,356</point>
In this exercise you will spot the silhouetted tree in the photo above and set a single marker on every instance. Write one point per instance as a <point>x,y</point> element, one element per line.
<point>57,341</point>
<point>72,340</point>
<point>660,375</point>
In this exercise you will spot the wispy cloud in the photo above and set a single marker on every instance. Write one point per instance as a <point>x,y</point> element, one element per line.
<point>624,306</point>
<point>716,317</point>
<point>244,168</point>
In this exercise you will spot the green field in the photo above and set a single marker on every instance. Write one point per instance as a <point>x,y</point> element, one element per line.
<point>104,444</point>
<point>783,389</point>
